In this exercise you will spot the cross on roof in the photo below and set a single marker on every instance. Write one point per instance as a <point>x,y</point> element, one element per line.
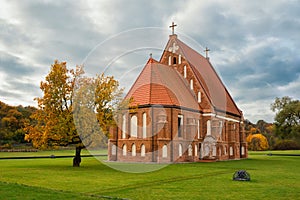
<point>173,26</point>
<point>206,52</point>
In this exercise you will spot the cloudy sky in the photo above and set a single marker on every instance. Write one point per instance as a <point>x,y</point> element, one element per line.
<point>254,44</point>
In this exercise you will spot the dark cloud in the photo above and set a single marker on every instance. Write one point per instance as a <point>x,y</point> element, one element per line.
<point>254,45</point>
<point>12,65</point>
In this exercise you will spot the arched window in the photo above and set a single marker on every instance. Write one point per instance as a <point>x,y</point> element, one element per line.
<point>124,127</point>
<point>190,150</point>
<point>184,71</point>
<point>191,84</point>
<point>196,150</point>
<point>124,150</point>
<point>231,151</point>
<point>133,127</point>
<point>144,125</point>
<point>179,59</point>
<point>114,150</point>
<point>174,61</point>
<point>199,97</point>
<point>170,60</point>
<point>180,149</point>
<point>198,129</point>
<point>165,151</point>
<point>243,150</point>
<point>225,150</point>
<point>180,125</point>
<point>133,150</point>
<point>220,127</point>
<point>208,124</point>
<point>143,150</point>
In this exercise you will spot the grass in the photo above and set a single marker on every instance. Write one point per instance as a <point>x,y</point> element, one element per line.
<point>50,152</point>
<point>272,177</point>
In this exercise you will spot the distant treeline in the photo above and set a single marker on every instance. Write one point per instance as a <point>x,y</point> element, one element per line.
<point>12,121</point>
<point>260,136</point>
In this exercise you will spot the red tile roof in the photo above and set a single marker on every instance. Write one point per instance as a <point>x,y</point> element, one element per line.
<point>160,84</point>
<point>207,77</point>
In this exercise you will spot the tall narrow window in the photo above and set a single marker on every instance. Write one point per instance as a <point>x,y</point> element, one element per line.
<point>184,71</point>
<point>165,151</point>
<point>198,129</point>
<point>133,127</point>
<point>124,150</point>
<point>243,150</point>
<point>179,59</point>
<point>199,97</point>
<point>208,124</point>
<point>180,125</point>
<point>174,61</point>
<point>144,125</point>
<point>230,151</point>
<point>114,150</point>
<point>133,150</point>
<point>220,127</point>
<point>143,150</point>
<point>190,150</point>
<point>124,127</point>
<point>191,84</point>
<point>170,60</point>
<point>180,150</point>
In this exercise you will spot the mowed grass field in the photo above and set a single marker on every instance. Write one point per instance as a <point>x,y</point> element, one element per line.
<point>272,177</point>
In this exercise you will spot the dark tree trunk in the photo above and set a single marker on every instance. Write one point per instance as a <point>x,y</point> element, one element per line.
<point>77,158</point>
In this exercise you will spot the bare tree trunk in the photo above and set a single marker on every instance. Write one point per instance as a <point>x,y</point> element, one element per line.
<point>77,158</point>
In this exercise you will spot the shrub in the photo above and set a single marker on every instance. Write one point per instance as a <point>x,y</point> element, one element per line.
<point>257,142</point>
<point>286,145</point>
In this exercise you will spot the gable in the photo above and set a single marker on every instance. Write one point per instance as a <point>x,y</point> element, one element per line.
<point>204,73</point>
<point>160,84</point>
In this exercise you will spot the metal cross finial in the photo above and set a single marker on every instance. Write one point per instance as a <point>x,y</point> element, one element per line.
<point>206,52</point>
<point>173,26</point>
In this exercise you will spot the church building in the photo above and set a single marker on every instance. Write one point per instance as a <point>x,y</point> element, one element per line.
<point>180,112</point>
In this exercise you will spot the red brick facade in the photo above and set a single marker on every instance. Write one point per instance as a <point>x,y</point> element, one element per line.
<point>178,120</point>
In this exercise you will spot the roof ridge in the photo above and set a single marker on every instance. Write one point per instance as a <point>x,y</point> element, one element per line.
<point>182,47</point>
<point>136,80</point>
<point>224,87</point>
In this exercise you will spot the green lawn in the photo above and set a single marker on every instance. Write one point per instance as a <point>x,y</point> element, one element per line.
<point>272,177</point>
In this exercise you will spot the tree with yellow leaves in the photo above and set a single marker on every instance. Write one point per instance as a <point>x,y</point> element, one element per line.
<point>257,142</point>
<point>68,96</point>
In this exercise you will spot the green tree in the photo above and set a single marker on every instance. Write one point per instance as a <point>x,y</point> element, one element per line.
<point>287,118</point>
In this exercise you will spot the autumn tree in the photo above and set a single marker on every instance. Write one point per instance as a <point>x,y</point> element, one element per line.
<point>12,122</point>
<point>257,142</point>
<point>96,102</point>
<point>67,98</point>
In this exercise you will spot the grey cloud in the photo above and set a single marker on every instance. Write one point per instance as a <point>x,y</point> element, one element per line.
<point>254,45</point>
<point>12,66</point>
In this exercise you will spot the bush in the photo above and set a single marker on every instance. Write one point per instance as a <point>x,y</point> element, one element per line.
<point>286,145</point>
<point>257,142</point>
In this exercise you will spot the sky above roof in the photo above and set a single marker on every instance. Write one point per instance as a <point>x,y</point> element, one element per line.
<point>254,44</point>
